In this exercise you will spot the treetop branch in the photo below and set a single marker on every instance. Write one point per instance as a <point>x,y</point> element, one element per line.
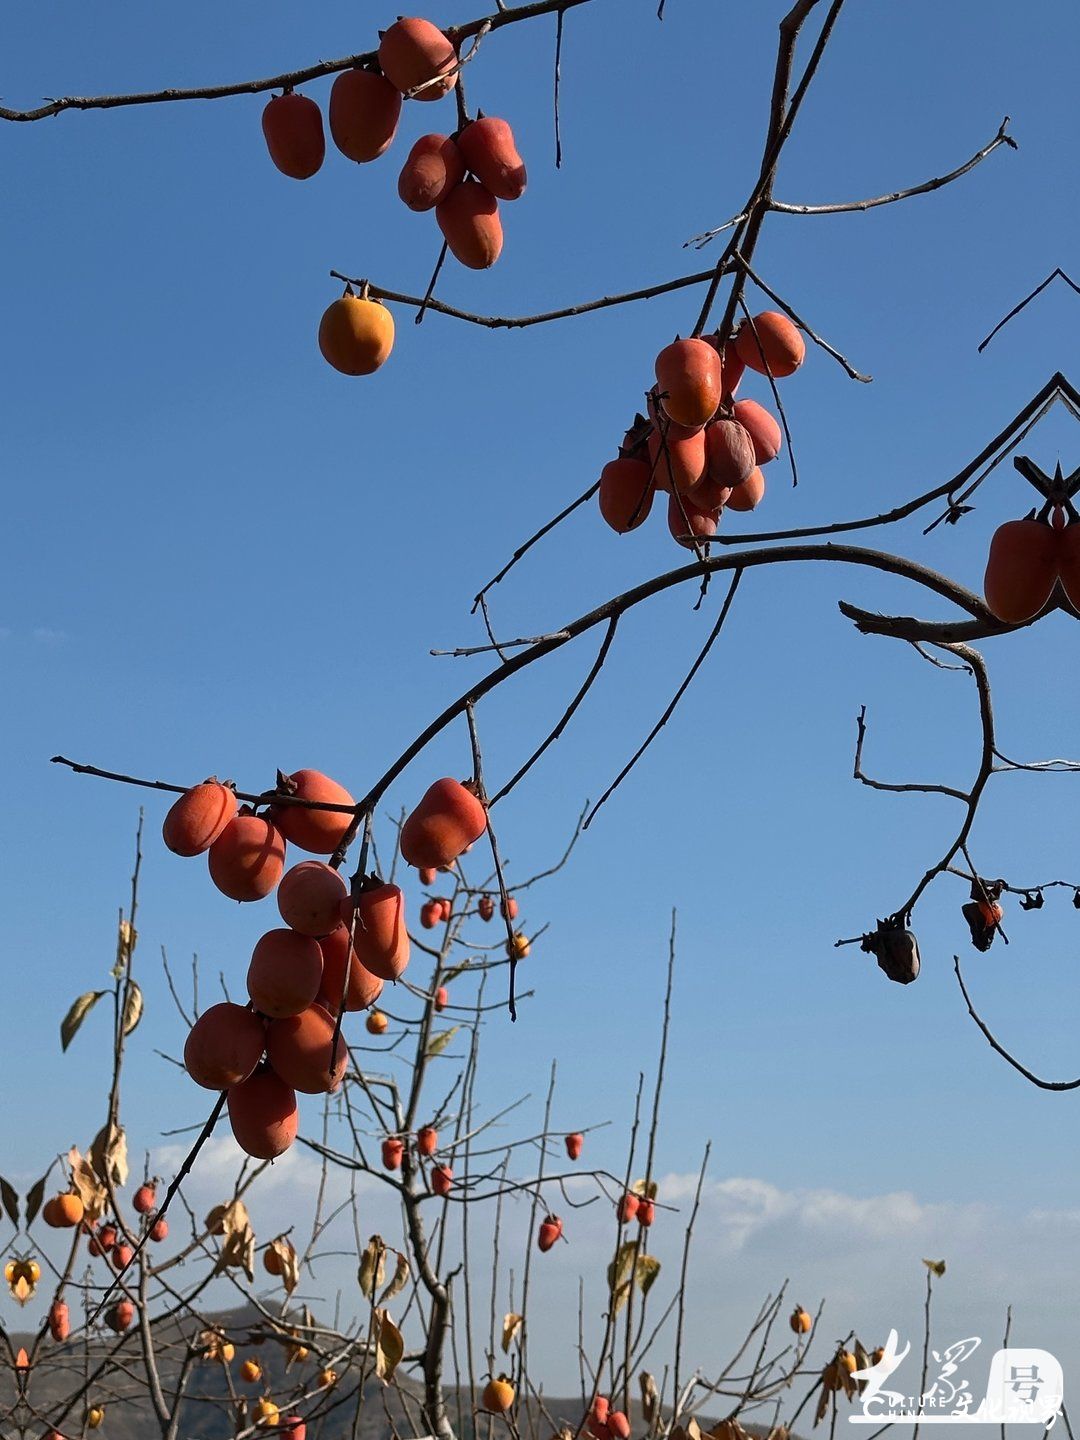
<point>288,79</point>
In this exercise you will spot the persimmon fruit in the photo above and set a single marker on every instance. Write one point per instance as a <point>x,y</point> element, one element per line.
<point>380,935</point>
<point>392,1151</point>
<point>364,113</point>
<point>447,819</point>
<point>688,381</point>
<point>356,336</point>
<point>263,1114</point>
<point>626,494</point>
<point>299,1051</point>
<point>59,1321</point>
<point>676,458</point>
<point>317,831</point>
<point>247,858</point>
<point>363,988</point>
<point>293,131</point>
<point>771,345</point>
<point>729,454</point>
<point>498,1396</point>
<point>433,167</point>
<point>548,1233</point>
<point>285,973</point>
<point>199,816</point>
<point>489,150</point>
<point>412,52</point>
<point>748,495</point>
<point>469,220</point>
<point>309,898</point>
<point>1021,570</point>
<point>697,524</point>
<point>224,1045</point>
<point>63,1211</point>
<point>762,427</point>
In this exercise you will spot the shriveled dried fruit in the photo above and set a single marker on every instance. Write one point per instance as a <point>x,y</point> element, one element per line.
<point>433,168</point>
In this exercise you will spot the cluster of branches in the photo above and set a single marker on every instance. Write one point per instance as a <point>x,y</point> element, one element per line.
<point>463,1265</point>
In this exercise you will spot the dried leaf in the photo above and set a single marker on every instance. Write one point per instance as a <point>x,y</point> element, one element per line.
<point>822,1404</point>
<point>619,1297</point>
<point>398,1280</point>
<point>289,1262</point>
<point>87,1185</point>
<point>646,1270</point>
<point>125,947</point>
<point>10,1197</point>
<point>133,1008</point>
<point>650,1398</point>
<point>372,1271</point>
<point>693,1429</point>
<point>620,1267</point>
<point>438,1043</point>
<point>233,1224</point>
<point>511,1325</point>
<point>80,1008</point>
<point>35,1195</point>
<point>389,1348</point>
<point>646,1188</point>
<point>108,1154</point>
<point>729,1429</point>
<point>937,1267</point>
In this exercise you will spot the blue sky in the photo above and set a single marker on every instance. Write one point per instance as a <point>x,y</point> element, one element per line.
<point>221,556</point>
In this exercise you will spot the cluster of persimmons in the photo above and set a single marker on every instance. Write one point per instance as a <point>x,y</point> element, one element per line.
<point>66,1211</point>
<point>462,177</point>
<point>698,444</point>
<point>336,949</point>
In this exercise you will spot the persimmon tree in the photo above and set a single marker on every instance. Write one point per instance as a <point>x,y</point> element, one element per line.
<point>133,1326</point>
<point>703,452</point>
